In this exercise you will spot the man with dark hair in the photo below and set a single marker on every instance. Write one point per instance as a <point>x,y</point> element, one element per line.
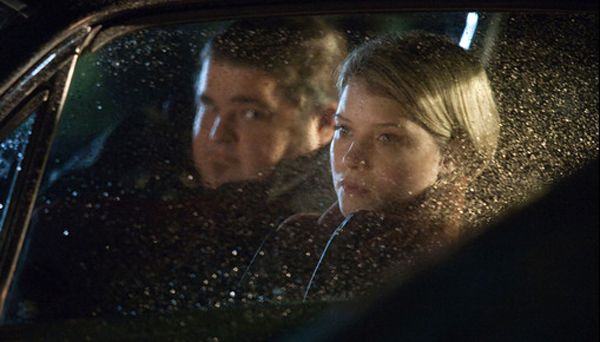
<point>265,94</point>
<point>266,97</point>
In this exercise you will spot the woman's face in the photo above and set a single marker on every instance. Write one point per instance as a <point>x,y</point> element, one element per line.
<point>380,158</point>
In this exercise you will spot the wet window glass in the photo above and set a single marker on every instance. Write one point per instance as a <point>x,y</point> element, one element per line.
<point>208,167</point>
<point>12,152</point>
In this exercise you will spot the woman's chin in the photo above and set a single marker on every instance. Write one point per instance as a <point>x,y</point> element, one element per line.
<point>348,207</point>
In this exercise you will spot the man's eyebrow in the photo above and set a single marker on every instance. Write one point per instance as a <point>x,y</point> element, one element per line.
<point>250,100</point>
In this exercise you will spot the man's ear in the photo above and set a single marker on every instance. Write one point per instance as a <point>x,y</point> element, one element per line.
<point>326,124</point>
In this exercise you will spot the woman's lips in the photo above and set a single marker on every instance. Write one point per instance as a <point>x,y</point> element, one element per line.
<point>352,188</point>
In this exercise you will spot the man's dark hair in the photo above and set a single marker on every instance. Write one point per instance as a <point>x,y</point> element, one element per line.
<point>302,54</point>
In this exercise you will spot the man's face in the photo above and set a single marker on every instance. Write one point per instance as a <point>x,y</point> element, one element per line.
<point>242,128</point>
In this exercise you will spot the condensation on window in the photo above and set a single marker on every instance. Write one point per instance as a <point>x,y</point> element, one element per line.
<point>544,71</point>
<point>128,228</point>
<point>12,152</point>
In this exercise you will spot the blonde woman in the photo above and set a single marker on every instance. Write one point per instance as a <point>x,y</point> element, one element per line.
<point>416,123</point>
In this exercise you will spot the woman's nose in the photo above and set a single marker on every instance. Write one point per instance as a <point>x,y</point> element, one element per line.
<point>223,130</point>
<point>356,156</point>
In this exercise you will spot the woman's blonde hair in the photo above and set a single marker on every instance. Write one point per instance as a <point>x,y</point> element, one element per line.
<point>439,85</point>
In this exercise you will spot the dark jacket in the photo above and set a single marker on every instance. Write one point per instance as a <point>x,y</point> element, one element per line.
<point>331,257</point>
<point>155,244</point>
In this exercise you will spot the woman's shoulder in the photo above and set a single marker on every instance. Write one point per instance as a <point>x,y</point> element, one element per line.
<point>298,223</point>
<point>300,218</point>
<point>307,227</point>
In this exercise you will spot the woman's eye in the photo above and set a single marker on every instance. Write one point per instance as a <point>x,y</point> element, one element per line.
<point>341,130</point>
<point>388,138</point>
<point>207,107</point>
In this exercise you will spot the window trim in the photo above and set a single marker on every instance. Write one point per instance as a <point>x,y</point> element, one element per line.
<point>29,180</point>
<point>40,72</point>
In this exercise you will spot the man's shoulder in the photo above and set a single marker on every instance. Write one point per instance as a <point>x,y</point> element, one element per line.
<point>303,184</point>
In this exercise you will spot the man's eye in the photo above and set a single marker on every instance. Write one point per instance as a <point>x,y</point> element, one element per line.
<point>251,114</point>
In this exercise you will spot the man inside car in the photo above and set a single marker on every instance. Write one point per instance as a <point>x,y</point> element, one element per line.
<point>266,95</point>
<point>265,98</point>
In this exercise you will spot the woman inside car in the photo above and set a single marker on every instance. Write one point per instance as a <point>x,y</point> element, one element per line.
<point>415,125</point>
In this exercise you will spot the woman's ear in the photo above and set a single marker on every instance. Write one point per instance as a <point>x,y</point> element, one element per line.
<point>447,164</point>
<point>452,160</point>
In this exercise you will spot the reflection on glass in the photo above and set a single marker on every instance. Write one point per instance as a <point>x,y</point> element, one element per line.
<point>471,25</point>
<point>12,152</point>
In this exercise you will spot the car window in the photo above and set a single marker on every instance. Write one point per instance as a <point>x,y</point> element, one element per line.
<point>12,152</point>
<point>163,195</point>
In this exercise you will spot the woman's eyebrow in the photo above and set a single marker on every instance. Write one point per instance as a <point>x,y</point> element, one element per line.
<point>339,116</point>
<point>389,124</point>
<point>206,99</point>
